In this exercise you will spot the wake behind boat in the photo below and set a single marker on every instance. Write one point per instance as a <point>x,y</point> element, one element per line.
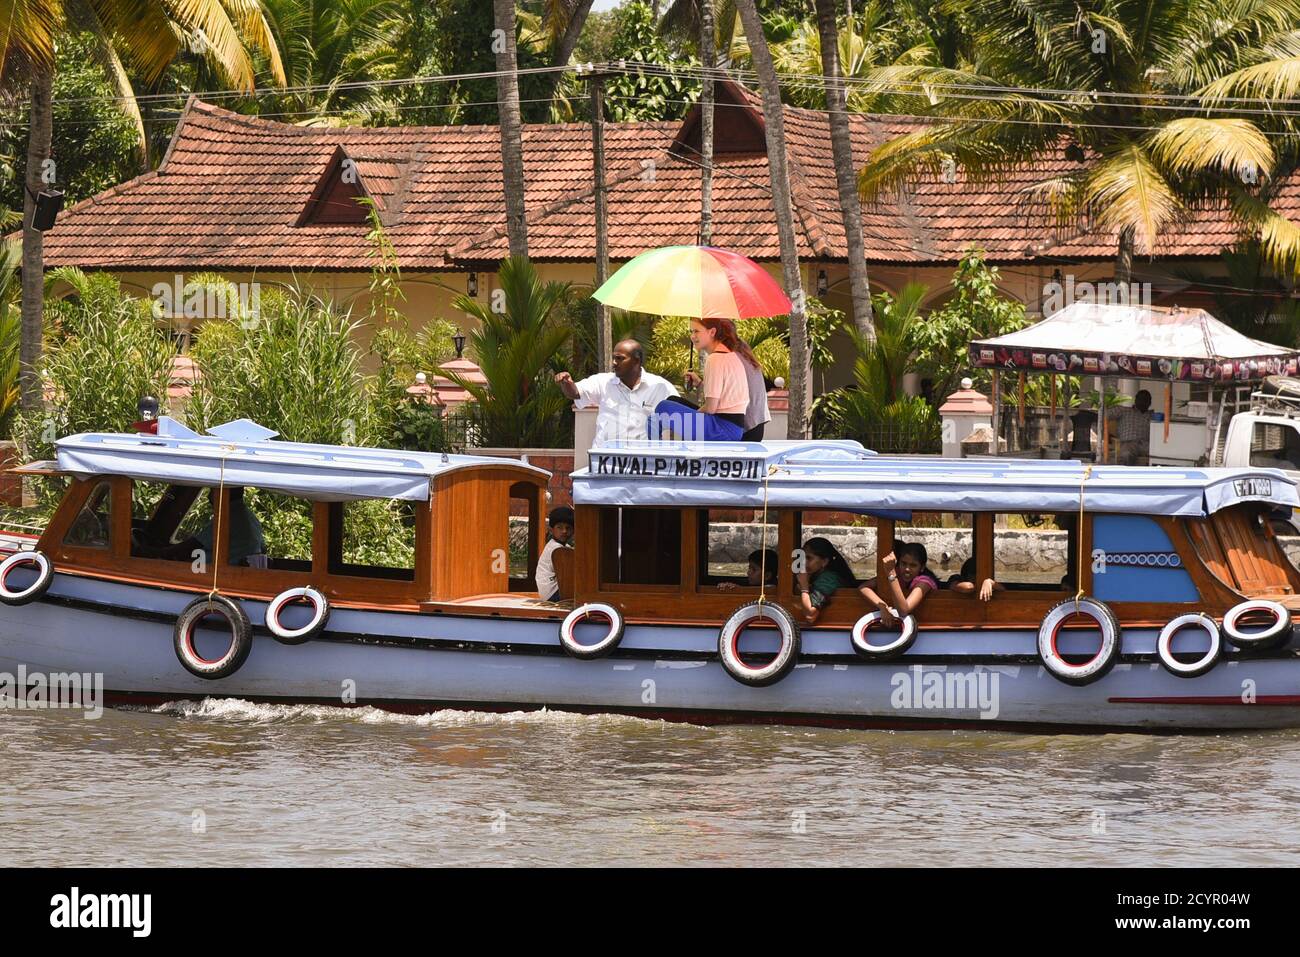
<point>1175,612</point>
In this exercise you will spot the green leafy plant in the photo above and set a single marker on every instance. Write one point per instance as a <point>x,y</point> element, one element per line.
<point>293,366</point>
<point>976,310</point>
<point>105,351</point>
<point>520,406</point>
<point>875,410</point>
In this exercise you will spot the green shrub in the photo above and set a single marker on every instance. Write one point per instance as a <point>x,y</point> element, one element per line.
<point>104,351</point>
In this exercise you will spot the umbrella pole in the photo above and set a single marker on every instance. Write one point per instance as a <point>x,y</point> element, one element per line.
<point>1169,406</point>
<point>1020,398</point>
<point>1105,419</point>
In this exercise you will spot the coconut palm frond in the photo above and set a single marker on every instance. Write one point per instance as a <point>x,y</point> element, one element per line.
<point>1278,237</point>
<point>1276,79</point>
<point>210,30</point>
<point>982,151</point>
<point>1221,37</point>
<point>27,32</point>
<point>250,17</point>
<point>1064,196</point>
<point>1126,190</point>
<point>1194,144</point>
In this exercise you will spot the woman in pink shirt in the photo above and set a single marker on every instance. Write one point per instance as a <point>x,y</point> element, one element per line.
<point>725,393</point>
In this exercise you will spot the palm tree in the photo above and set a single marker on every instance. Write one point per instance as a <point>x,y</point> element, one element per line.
<point>681,19</point>
<point>709,60</point>
<point>520,406</point>
<point>876,410</point>
<point>773,116</point>
<point>872,39</point>
<point>512,149</point>
<point>149,32</point>
<point>711,26</point>
<point>1143,160</point>
<point>332,44</point>
<point>845,171</point>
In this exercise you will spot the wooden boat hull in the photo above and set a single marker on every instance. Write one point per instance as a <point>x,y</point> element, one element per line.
<point>421,662</point>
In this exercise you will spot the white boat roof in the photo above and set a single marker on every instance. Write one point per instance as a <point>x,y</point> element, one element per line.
<point>251,457</point>
<point>844,476</point>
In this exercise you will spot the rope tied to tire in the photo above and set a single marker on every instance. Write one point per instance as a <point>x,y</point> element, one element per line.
<point>216,524</point>
<point>1078,595</point>
<point>762,560</point>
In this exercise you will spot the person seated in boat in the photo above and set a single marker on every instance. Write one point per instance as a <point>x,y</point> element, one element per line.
<point>724,389</point>
<point>762,570</point>
<point>965,583</point>
<point>825,572</point>
<point>905,584</point>
<point>560,522</point>
<point>247,543</point>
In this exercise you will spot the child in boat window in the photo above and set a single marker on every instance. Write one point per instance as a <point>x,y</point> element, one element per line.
<point>826,572</point>
<point>561,534</point>
<point>906,583</point>
<point>965,583</point>
<point>761,564</point>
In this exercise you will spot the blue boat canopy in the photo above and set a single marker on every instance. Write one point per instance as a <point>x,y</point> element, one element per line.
<point>843,476</point>
<point>326,473</point>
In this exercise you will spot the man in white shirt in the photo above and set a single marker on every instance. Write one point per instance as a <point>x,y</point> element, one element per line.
<point>626,397</point>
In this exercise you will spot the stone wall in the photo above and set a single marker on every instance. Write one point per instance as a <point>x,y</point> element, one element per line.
<point>1025,555</point>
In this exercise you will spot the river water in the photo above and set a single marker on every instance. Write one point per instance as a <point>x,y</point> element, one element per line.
<point>228,782</point>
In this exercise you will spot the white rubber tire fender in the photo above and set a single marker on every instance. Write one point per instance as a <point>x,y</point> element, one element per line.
<point>1096,667</point>
<point>44,577</point>
<point>858,635</point>
<point>1190,669</point>
<point>1271,637</point>
<point>787,656</point>
<point>297,636</point>
<point>241,637</point>
<point>600,648</point>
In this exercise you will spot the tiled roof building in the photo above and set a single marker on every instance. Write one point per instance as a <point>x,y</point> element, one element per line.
<point>242,193</point>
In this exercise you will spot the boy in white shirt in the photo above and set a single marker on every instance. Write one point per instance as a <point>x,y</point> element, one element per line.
<point>561,528</point>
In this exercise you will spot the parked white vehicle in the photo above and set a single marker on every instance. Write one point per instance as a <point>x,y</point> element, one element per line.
<point>1268,435</point>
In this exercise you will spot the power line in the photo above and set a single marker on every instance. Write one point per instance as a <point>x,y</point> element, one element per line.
<point>980,92</point>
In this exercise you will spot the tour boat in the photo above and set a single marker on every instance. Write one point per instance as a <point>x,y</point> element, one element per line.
<point>1174,612</point>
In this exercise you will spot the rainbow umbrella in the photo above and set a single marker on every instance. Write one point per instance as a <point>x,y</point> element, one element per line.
<point>696,281</point>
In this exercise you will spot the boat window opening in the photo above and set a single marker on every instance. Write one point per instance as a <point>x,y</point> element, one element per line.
<point>853,535</point>
<point>523,537</point>
<point>92,526</point>
<point>727,539</point>
<point>949,542</point>
<point>1035,551</point>
<point>640,546</point>
<point>372,538</point>
<point>286,525</point>
<point>165,516</point>
<point>1275,445</point>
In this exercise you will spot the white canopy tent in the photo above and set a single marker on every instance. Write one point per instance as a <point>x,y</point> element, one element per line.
<point>1141,342</point>
<point>1168,344</point>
